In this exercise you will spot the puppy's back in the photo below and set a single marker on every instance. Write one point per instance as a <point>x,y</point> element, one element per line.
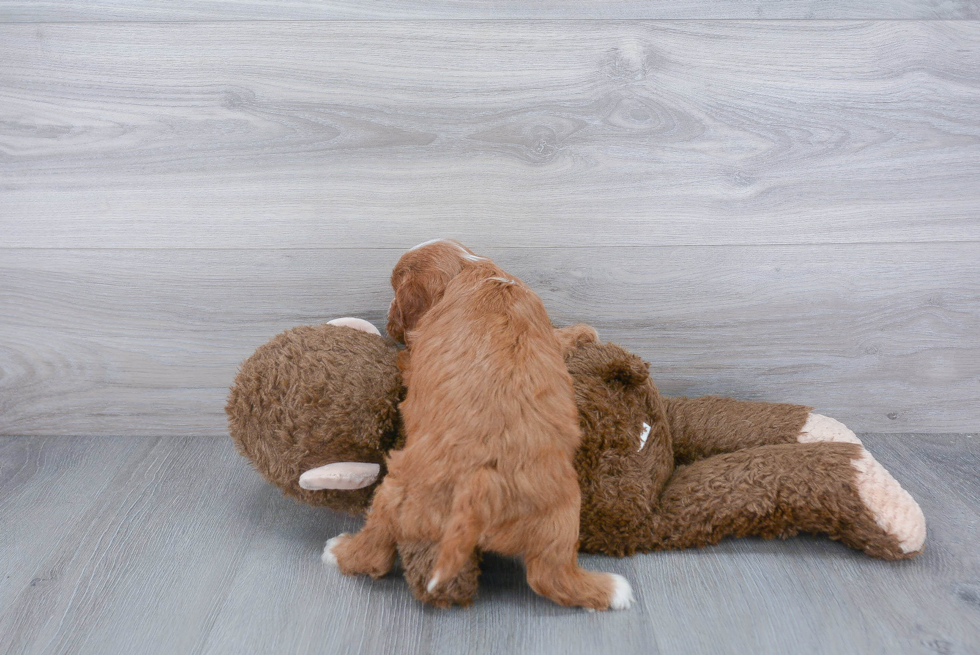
<point>491,430</point>
<point>488,374</point>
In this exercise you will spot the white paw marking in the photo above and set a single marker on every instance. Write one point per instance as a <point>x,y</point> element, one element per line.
<point>328,556</point>
<point>622,595</point>
<point>823,428</point>
<point>894,509</point>
<point>644,435</point>
<point>432,583</point>
<point>356,323</point>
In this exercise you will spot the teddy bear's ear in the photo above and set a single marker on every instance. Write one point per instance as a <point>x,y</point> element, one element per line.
<point>629,371</point>
<point>356,323</point>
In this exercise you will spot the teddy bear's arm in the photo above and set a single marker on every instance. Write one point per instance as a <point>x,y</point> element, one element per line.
<point>621,485</point>
<point>702,427</point>
<point>618,499</point>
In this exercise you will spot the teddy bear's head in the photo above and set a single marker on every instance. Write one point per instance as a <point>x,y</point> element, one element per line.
<point>614,395</point>
<point>318,395</point>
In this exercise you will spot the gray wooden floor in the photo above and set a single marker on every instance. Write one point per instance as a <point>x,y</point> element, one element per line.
<point>174,545</point>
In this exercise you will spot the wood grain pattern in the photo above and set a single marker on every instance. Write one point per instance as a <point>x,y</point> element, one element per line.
<point>268,10</point>
<point>182,548</point>
<point>62,478</point>
<point>560,133</point>
<point>144,342</point>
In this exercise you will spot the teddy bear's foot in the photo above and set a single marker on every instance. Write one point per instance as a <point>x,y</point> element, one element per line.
<point>893,508</point>
<point>418,559</point>
<point>824,428</point>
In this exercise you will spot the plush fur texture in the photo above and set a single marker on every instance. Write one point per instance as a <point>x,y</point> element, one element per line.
<point>823,428</point>
<point>491,430</point>
<point>316,395</point>
<point>707,426</point>
<point>710,467</point>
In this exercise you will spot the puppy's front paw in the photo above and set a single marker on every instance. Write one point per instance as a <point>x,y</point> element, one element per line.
<point>356,555</point>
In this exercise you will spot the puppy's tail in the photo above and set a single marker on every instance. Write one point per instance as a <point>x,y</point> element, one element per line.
<point>476,501</point>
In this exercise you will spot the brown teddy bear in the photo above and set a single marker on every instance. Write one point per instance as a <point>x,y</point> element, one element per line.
<point>316,411</point>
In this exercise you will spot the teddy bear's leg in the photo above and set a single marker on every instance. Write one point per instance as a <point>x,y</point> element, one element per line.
<point>703,427</point>
<point>779,490</point>
<point>373,549</point>
<point>419,559</point>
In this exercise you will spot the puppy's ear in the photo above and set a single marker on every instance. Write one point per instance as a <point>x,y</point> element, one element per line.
<point>404,365</point>
<point>412,300</point>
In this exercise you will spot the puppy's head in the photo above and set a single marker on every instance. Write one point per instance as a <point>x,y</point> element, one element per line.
<point>420,279</point>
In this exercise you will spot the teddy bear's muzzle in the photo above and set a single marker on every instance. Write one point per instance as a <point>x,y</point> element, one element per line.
<point>340,475</point>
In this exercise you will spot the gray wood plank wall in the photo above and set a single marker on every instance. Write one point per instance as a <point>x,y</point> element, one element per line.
<point>783,210</point>
<point>197,10</point>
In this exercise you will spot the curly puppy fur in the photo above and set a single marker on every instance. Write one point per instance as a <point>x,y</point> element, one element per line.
<point>491,433</point>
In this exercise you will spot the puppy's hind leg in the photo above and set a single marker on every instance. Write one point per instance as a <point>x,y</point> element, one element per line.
<point>476,501</point>
<point>553,570</point>
<point>372,550</point>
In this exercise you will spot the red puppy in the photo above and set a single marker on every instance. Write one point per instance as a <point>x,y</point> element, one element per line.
<point>491,431</point>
